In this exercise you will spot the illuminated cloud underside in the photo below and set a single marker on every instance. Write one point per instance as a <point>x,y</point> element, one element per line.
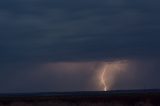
<point>102,74</point>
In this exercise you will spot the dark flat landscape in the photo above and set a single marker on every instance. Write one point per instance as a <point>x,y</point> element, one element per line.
<point>110,98</point>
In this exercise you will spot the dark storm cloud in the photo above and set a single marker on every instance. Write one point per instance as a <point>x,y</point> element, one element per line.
<point>33,32</point>
<point>78,30</point>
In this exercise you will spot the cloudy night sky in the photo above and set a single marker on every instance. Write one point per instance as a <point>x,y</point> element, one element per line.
<point>64,45</point>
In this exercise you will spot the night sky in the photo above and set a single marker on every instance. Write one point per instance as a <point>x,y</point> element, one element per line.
<point>62,45</point>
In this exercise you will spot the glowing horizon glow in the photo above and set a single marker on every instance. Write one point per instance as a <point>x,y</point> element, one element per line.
<point>103,73</point>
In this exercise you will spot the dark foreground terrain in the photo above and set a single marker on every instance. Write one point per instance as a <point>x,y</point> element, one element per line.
<point>111,98</point>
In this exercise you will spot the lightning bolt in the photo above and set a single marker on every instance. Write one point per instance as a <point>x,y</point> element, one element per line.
<point>103,79</point>
<point>109,71</point>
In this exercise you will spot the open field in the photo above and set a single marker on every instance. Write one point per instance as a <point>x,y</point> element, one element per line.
<point>111,98</point>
